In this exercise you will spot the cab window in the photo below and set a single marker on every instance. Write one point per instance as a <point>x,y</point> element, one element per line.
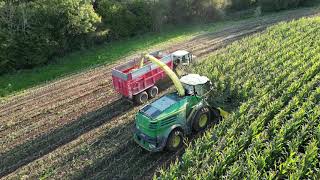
<point>184,59</point>
<point>189,89</point>
<point>202,89</point>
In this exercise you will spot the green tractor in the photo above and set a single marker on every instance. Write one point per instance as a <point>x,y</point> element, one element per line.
<point>163,123</point>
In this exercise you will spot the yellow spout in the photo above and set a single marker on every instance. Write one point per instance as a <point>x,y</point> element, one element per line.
<point>141,62</point>
<point>170,73</point>
<point>223,113</point>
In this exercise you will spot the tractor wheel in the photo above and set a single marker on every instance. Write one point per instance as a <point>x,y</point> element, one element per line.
<point>153,91</point>
<point>216,116</point>
<point>141,98</point>
<point>175,140</point>
<point>201,119</point>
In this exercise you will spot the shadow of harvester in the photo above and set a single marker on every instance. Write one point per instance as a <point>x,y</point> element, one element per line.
<point>36,148</point>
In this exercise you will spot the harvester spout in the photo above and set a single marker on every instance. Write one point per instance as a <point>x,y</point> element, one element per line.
<point>169,72</point>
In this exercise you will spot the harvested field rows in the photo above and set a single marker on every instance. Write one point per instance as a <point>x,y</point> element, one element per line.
<point>78,127</point>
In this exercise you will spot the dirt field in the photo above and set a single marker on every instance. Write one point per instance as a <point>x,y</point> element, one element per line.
<point>79,128</point>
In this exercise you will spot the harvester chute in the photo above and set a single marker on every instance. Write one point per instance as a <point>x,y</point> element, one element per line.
<point>170,73</point>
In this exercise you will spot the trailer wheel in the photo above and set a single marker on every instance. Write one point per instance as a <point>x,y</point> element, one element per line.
<point>201,119</point>
<point>141,98</point>
<point>153,91</point>
<point>175,140</point>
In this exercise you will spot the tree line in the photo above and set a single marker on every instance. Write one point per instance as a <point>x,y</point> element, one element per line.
<point>34,32</point>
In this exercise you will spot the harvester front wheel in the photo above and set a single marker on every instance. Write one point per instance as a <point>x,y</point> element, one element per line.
<point>175,140</point>
<point>216,115</point>
<point>142,97</point>
<point>201,119</point>
<point>153,91</point>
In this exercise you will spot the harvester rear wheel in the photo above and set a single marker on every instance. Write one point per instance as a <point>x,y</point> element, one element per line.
<point>141,98</point>
<point>175,140</point>
<point>201,119</point>
<point>153,91</point>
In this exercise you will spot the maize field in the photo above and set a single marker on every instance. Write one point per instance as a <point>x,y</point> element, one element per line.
<point>274,133</point>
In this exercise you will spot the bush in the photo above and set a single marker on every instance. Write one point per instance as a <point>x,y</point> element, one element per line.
<point>201,10</point>
<point>32,33</point>
<point>125,19</point>
<point>277,5</point>
<point>159,15</point>
<point>241,4</point>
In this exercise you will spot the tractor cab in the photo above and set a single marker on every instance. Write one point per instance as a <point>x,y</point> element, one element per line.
<point>182,57</point>
<point>195,84</point>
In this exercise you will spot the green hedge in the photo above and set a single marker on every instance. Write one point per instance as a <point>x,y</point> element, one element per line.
<point>125,19</point>
<point>277,5</point>
<point>33,32</point>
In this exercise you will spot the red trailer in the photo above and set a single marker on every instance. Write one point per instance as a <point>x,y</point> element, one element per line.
<point>139,84</point>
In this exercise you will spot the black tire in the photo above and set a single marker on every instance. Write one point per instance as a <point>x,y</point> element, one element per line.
<point>216,115</point>
<point>153,91</point>
<point>141,98</point>
<point>172,144</point>
<point>201,120</point>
